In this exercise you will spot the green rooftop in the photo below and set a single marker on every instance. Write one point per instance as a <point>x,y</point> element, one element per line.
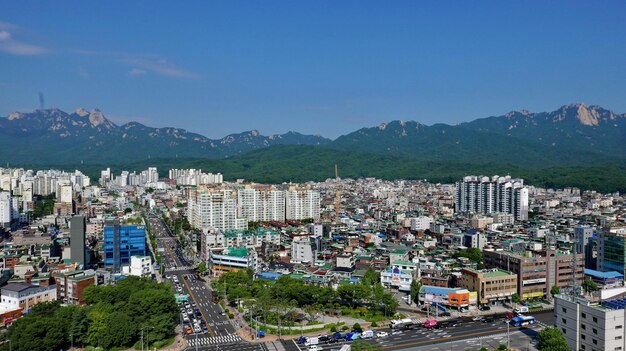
<point>237,252</point>
<point>258,232</point>
<point>403,263</point>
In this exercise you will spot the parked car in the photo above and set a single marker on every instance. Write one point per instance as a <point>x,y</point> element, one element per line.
<point>485,308</point>
<point>382,334</point>
<point>477,318</point>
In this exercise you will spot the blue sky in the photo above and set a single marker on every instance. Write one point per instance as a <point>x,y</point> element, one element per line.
<point>317,67</point>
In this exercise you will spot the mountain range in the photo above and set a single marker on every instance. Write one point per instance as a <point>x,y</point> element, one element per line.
<point>574,134</point>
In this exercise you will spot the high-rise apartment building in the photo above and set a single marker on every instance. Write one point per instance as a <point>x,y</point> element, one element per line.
<point>479,194</point>
<point>121,243</point>
<point>302,204</point>
<point>5,209</point>
<point>209,208</point>
<point>261,204</point>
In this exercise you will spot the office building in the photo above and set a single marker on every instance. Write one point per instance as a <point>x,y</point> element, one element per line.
<point>78,226</point>
<point>484,195</point>
<point>612,249</point>
<point>591,325</point>
<point>231,260</point>
<point>492,285</point>
<point>121,243</point>
<point>538,272</point>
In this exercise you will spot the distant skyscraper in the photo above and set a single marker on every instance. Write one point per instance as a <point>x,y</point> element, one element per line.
<point>78,228</point>
<point>121,243</point>
<point>499,194</point>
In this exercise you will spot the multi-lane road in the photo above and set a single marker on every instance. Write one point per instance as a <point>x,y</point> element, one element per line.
<point>216,332</point>
<point>203,321</point>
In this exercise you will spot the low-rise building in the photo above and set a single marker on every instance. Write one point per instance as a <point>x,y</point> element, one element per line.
<point>231,260</point>
<point>70,286</point>
<point>492,285</point>
<point>25,296</point>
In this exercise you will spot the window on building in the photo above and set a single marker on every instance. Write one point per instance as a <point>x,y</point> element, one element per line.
<point>564,320</point>
<point>594,330</point>
<point>594,341</point>
<point>619,337</point>
<point>583,336</point>
<point>618,348</point>
<point>564,309</point>
<point>595,319</point>
<point>583,326</point>
<point>584,315</point>
<point>618,327</point>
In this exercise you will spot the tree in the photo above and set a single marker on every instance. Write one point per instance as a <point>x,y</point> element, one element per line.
<point>589,286</point>
<point>202,267</point>
<point>371,277</point>
<point>415,289</point>
<point>554,290</point>
<point>357,327</point>
<point>515,298</point>
<point>552,339</point>
<point>473,254</point>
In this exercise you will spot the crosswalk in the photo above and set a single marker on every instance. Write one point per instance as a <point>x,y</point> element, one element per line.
<point>211,340</point>
<point>179,269</point>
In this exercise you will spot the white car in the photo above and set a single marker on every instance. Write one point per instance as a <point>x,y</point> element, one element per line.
<point>477,318</point>
<point>382,334</point>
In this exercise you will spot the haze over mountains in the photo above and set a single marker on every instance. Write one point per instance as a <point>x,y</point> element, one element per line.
<point>572,135</point>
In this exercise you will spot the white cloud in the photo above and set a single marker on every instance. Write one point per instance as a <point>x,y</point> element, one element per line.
<point>15,47</point>
<point>136,72</point>
<point>162,67</point>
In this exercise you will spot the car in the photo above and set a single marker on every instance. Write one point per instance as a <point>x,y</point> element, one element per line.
<point>197,329</point>
<point>487,320</point>
<point>382,334</point>
<point>485,308</point>
<point>477,318</point>
<point>323,338</point>
<point>188,330</point>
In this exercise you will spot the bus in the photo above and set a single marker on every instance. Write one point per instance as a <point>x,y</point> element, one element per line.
<point>521,321</point>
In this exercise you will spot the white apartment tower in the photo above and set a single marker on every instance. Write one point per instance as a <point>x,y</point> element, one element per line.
<point>5,209</point>
<point>214,209</point>
<point>261,205</point>
<point>302,204</point>
<point>492,195</point>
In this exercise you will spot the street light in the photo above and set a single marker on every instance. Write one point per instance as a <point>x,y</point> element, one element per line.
<point>147,334</point>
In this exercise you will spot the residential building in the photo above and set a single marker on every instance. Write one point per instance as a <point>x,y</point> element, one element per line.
<point>397,278</point>
<point>140,266</point>
<point>302,250</point>
<point>261,205</point>
<point>209,208</point>
<point>70,286</point>
<point>484,195</point>
<point>121,242</point>
<point>5,209</point>
<point>492,285</point>
<point>302,204</point>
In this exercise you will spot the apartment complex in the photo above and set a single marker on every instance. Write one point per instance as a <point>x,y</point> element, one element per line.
<point>211,208</point>
<point>71,286</point>
<point>591,326</point>
<point>302,204</point>
<point>262,205</point>
<point>538,272</point>
<point>491,285</point>
<point>479,194</point>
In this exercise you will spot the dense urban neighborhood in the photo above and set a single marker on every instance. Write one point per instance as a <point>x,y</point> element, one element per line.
<point>188,260</point>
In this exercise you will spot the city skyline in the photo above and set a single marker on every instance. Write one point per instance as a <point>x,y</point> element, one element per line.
<point>314,69</point>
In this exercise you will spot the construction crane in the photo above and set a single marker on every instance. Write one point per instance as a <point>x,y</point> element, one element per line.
<point>337,194</point>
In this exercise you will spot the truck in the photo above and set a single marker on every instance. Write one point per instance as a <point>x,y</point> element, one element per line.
<point>430,323</point>
<point>521,309</point>
<point>367,334</point>
<point>406,323</point>
<point>522,321</point>
<point>313,340</point>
